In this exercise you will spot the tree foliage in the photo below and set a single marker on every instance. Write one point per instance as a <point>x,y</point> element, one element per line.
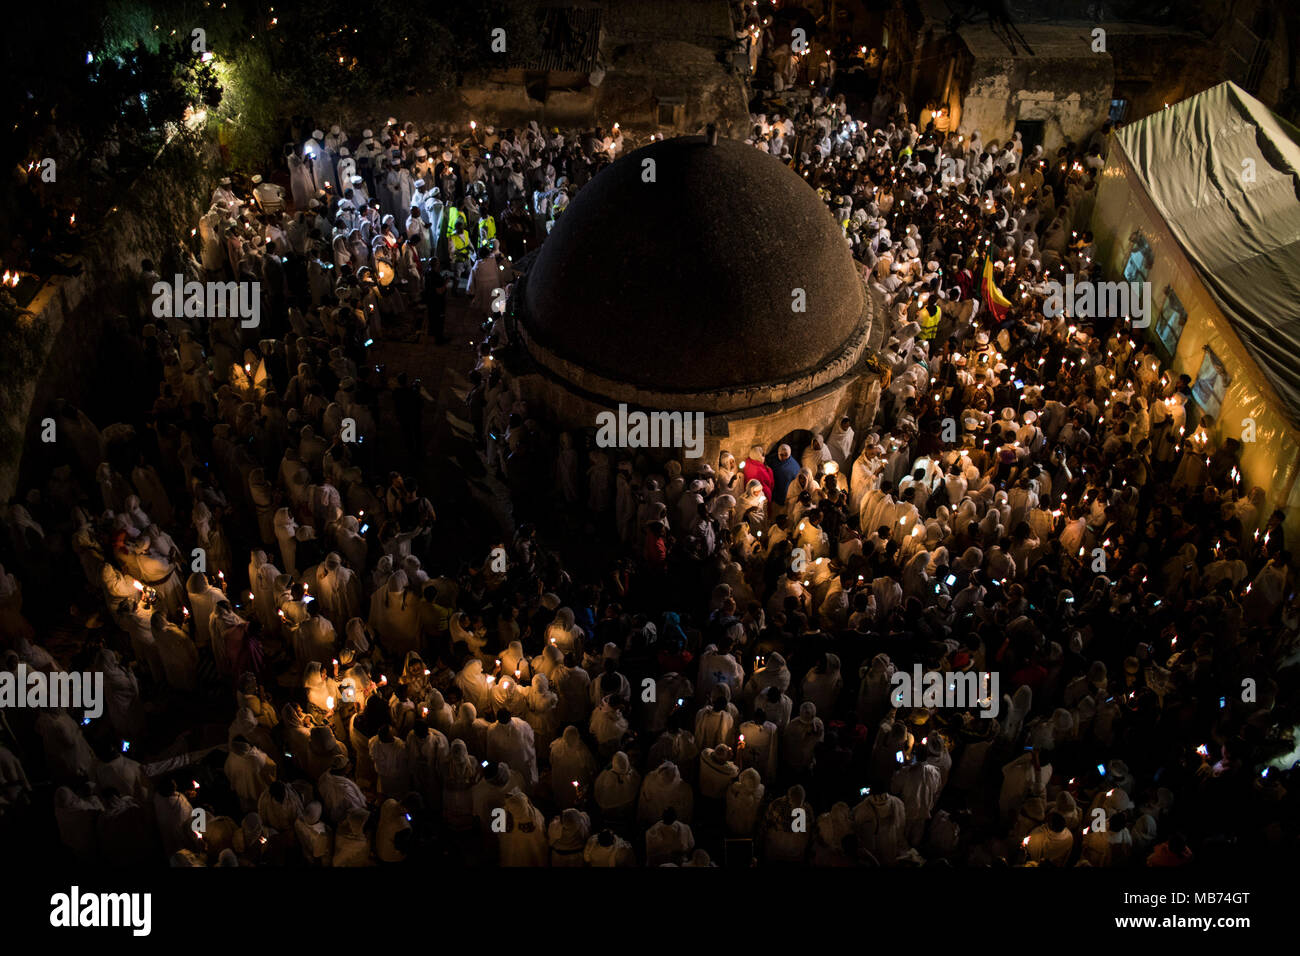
<point>143,72</point>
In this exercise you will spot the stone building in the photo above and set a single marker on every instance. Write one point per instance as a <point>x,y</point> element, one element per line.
<point>656,65</point>
<point>1044,81</point>
<point>673,282</point>
<point>1200,201</point>
<point>1057,70</point>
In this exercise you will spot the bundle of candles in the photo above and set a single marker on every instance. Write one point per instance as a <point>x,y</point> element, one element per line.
<point>148,596</point>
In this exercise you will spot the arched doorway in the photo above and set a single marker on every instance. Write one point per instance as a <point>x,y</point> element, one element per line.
<point>798,440</point>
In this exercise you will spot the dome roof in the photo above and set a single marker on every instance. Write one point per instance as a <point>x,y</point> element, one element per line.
<point>686,284</point>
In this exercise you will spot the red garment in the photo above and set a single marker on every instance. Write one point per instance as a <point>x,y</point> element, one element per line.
<point>677,661</point>
<point>1032,674</point>
<point>965,283</point>
<point>656,552</point>
<point>758,471</point>
<point>233,647</point>
<point>1163,856</point>
<point>244,650</point>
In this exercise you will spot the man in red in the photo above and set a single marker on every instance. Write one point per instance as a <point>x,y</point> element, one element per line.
<point>655,552</point>
<point>755,468</point>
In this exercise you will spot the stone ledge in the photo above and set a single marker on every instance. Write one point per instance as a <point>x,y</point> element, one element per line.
<point>719,401</point>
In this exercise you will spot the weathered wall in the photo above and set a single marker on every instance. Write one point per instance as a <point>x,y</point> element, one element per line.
<point>636,77</point>
<point>1187,64</point>
<point>856,396</point>
<point>1071,96</point>
<point>640,74</point>
<point>1191,61</point>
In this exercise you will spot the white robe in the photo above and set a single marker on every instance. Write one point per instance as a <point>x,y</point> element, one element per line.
<point>664,788</point>
<point>880,822</point>
<point>744,802</point>
<point>300,180</point>
<point>338,591</point>
<point>524,842</point>
<point>180,658</point>
<point>512,743</point>
<point>395,615</point>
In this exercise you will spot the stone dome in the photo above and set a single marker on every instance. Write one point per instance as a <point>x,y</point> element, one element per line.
<point>686,284</point>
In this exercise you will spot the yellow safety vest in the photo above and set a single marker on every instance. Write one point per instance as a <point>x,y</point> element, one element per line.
<point>487,229</point>
<point>929,324</point>
<point>460,246</point>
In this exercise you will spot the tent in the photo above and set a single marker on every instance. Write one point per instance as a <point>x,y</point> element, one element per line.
<point>1202,200</point>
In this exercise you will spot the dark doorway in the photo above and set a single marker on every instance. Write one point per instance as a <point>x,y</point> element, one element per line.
<point>798,440</point>
<point>1031,134</point>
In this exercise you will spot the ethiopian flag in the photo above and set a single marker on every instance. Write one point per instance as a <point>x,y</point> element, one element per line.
<point>993,298</point>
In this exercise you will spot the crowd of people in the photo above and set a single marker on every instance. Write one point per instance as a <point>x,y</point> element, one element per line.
<point>1034,497</point>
